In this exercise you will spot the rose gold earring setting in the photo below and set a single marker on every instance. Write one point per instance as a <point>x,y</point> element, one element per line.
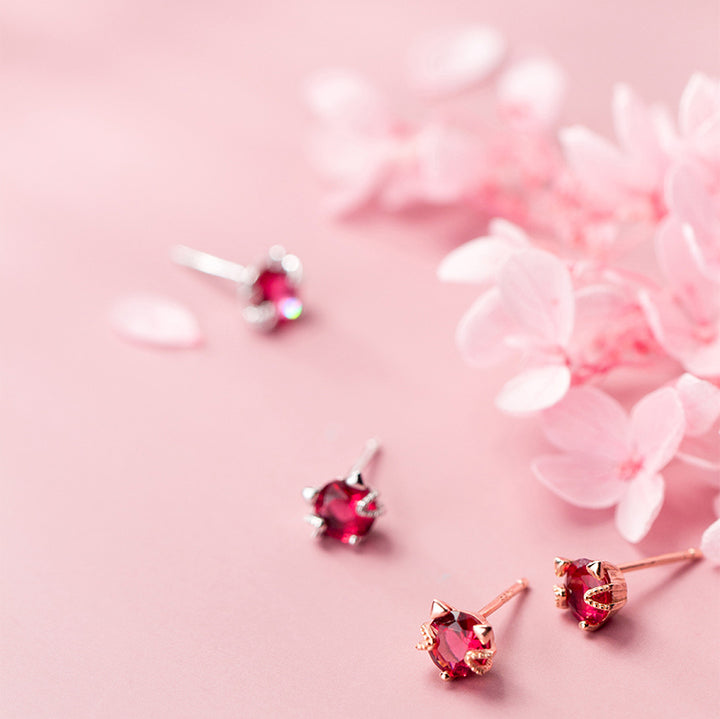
<point>594,590</point>
<point>345,509</point>
<point>461,643</point>
<point>268,288</point>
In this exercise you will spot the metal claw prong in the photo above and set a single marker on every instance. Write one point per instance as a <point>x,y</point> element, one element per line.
<point>445,676</point>
<point>361,508</point>
<point>561,566</point>
<point>596,569</point>
<point>429,639</point>
<point>317,523</point>
<point>588,627</point>
<point>482,632</point>
<point>354,540</point>
<point>310,494</point>
<point>354,479</point>
<point>473,657</point>
<point>439,608</point>
<point>560,596</point>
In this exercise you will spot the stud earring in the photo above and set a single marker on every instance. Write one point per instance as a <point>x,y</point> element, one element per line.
<point>594,590</point>
<point>345,509</point>
<point>460,643</point>
<point>269,288</point>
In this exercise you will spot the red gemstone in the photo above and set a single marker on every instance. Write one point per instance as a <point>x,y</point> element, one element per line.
<point>577,581</point>
<point>454,638</point>
<point>337,505</point>
<point>275,287</point>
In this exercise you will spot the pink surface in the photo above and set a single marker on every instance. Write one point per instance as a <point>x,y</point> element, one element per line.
<point>154,558</point>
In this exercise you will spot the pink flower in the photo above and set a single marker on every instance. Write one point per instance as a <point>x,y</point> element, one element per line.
<point>710,543</point>
<point>610,458</point>
<point>701,403</point>
<point>366,155</point>
<point>685,316</point>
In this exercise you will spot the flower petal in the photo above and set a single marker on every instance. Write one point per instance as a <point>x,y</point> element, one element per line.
<point>589,422</point>
<point>537,290</point>
<point>687,197</point>
<point>657,426</point>
<point>639,506</point>
<point>531,92</point>
<point>534,389</point>
<point>478,261</point>
<point>582,480</point>
<point>481,332</point>
<point>154,320</point>
<point>452,60</point>
<point>598,165</point>
<point>700,101</point>
<point>345,100</point>
<point>710,542</point>
<point>701,403</point>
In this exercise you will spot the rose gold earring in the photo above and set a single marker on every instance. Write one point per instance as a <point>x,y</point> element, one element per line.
<point>268,288</point>
<point>461,643</point>
<point>594,590</point>
<point>345,508</point>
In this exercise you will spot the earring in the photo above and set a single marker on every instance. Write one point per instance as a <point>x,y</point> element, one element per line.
<point>459,642</point>
<point>269,288</point>
<point>345,509</point>
<point>594,590</point>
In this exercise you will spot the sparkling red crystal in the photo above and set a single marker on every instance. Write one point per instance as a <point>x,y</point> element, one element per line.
<point>577,581</point>
<point>454,637</point>
<point>276,287</point>
<point>336,503</point>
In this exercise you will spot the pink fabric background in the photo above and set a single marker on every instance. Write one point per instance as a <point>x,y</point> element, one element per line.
<point>154,558</point>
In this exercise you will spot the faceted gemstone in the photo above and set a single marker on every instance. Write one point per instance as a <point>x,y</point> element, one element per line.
<point>454,637</point>
<point>577,581</point>
<point>336,503</point>
<point>275,287</point>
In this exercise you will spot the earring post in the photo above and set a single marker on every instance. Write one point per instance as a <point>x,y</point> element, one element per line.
<point>207,263</point>
<point>372,447</point>
<point>495,604</point>
<point>671,558</point>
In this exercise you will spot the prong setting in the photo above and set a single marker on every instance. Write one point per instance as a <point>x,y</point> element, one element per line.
<point>560,593</point>
<point>561,566</point>
<point>310,494</point>
<point>480,661</point>
<point>429,639</point>
<point>361,508</point>
<point>318,524</point>
<point>438,608</point>
<point>596,569</point>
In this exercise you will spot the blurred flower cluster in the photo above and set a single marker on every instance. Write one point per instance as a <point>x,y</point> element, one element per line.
<point>598,254</point>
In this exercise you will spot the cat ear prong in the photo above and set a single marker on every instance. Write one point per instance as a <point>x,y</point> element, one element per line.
<point>596,569</point>
<point>437,609</point>
<point>561,566</point>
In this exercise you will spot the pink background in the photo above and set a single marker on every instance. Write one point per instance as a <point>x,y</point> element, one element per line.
<point>154,558</point>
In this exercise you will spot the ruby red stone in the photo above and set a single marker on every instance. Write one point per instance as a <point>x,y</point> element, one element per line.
<point>454,637</point>
<point>336,503</point>
<point>577,581</point>
<point>276,287</point>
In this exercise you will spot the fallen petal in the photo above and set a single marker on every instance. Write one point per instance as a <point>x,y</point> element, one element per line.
<point>639,506</point>
<point>154,320</point>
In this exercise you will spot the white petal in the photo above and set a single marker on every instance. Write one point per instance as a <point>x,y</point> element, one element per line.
<point>534,389</point>
<point>537,290</point>
<point>478,261</point>
<point>531,92</point>
<point>452,60</point>
<point>701,403</point>
<point>482,330</point>
<point>640,506</point>
<point>154,320</point>
<point>699,102</point>
<point>710,543</point>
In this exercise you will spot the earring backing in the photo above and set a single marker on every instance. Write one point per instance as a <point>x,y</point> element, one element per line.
<point>461,643</point>
<point>345,509</point>
<point>594,590</point>
<point>269,288</point>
